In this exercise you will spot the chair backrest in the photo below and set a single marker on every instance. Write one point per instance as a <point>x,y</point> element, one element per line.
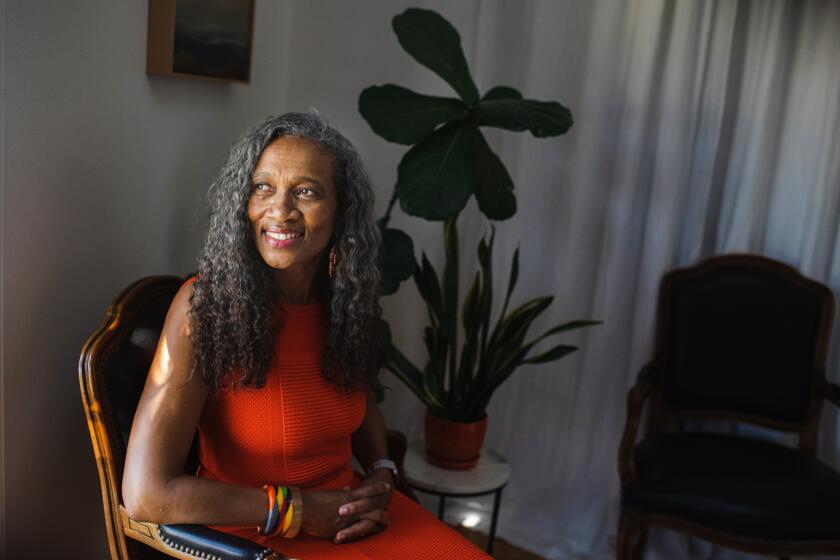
<point>742,337</point>
<point>112,371</point>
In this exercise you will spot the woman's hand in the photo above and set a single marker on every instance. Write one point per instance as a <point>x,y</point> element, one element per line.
<point>368,515</point>
<point>321,517</point>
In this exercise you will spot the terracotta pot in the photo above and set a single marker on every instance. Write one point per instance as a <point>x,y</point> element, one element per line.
<point>454,445</point>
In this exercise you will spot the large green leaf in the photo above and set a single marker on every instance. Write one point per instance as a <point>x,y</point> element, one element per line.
<point>493,186</point>
<point>400,115</point>
<point>501,92</point>
<point>542,118</point>
<point>396,260</point>
<point>434,42</point>
<point>436,177</point>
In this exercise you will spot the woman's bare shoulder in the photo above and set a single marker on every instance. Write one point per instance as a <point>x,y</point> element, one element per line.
<point>175,348</point>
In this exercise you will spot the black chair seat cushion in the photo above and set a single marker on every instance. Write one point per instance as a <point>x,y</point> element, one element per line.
<point>737,485</point>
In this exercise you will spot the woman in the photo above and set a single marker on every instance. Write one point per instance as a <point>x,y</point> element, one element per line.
<point>268,352</point>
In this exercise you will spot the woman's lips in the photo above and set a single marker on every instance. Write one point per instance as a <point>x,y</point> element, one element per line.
<point>281,240</point>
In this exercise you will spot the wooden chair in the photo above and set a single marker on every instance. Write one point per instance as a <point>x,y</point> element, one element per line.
<point>743,339</point>
<point>112,371</point>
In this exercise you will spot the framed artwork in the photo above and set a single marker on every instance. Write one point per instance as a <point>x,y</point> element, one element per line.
<point>200,39</point>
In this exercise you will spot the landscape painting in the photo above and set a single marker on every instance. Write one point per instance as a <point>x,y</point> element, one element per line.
<point>213,38</point>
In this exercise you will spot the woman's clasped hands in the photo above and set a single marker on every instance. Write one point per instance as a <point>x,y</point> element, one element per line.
<point>347,515</point>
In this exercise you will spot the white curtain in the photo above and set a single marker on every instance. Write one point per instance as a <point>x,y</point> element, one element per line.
<point>701,128</point>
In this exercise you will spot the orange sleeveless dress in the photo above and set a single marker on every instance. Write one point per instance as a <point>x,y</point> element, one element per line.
<point>296,432</point>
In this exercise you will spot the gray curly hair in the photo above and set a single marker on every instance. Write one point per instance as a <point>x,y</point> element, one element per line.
<point>233,315</point>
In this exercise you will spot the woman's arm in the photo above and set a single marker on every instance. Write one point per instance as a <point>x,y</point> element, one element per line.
<point>369,441</point>
<point>155,486</point>
<point>369,444</point>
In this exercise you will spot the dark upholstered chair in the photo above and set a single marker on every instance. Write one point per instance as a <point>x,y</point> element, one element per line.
<point>739,338</point>
<point>112,371</point>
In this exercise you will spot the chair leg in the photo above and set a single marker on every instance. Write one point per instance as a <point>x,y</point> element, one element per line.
<point>632,535</point>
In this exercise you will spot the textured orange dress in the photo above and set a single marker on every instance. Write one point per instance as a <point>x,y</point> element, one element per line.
<point>296,432</point>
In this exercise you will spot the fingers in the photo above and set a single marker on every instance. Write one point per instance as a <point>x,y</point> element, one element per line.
<point>370,490</point>
<point>371,523</point>
<point>358,530</point>
<point>360,506</point>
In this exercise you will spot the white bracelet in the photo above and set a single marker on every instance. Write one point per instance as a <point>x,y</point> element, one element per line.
<point>384,464</point>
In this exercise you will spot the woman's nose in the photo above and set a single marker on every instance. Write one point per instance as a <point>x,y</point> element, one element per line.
<point>283,206</point>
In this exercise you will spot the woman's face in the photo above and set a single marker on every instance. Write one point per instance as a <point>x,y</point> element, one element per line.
<point>293,204</point>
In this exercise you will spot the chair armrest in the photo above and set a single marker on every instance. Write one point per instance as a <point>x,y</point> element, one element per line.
<point>636,398</point>
<point>831,393</point>
<point>191,542</point>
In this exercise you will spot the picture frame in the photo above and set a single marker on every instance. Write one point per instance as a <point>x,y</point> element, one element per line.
<point>200,39</point>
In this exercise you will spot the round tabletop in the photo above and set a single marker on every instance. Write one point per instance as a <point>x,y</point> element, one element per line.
<point>491,473</point>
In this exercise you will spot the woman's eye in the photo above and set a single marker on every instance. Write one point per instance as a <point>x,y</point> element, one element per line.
<point>306,192</point>
<point>261,187</point>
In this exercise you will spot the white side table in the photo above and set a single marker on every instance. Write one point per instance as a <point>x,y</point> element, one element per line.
<point>489,476</point>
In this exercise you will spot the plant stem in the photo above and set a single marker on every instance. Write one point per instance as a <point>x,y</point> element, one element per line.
<point>387,217</point>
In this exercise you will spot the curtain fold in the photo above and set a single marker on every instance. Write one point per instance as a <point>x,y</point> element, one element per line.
<point>701,128</point>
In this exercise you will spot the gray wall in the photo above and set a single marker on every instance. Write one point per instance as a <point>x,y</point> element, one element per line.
<point>104,176</point>
<point>104,171</point>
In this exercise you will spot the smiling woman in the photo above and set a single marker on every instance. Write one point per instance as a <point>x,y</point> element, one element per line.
<point>268,353</point>
<point>292,209</point>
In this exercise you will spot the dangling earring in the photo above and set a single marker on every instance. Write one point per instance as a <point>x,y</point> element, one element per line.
<point>333,259</point>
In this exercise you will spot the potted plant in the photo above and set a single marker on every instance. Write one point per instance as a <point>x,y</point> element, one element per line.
<point>449,161</point>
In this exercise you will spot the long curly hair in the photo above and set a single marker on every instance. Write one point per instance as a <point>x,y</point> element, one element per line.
<point>234,318</point>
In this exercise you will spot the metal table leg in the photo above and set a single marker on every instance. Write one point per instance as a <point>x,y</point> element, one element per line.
<point>441,506</point>
<point>491,538</point>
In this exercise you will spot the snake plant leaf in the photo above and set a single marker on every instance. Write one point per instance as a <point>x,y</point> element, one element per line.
<point>514,276</point>
<point>493,185</point>
<point>485,254</point>
<point>400,115</point>
<point>436,177</point>
<point>429,287</point>
<point>521,318</point>
<point>510,332</point>
<point>434,42</point>
<point>396,261</point>
<point>398,364</point>
<point>450,289</point>
<point>501,92</point>
<point>542,118</point>
<point>432,384</point>
<point>554,354</point>
<point>472,324</point>
<point>470,314</point>
<point>571,325</point>
<point>430,338</point>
